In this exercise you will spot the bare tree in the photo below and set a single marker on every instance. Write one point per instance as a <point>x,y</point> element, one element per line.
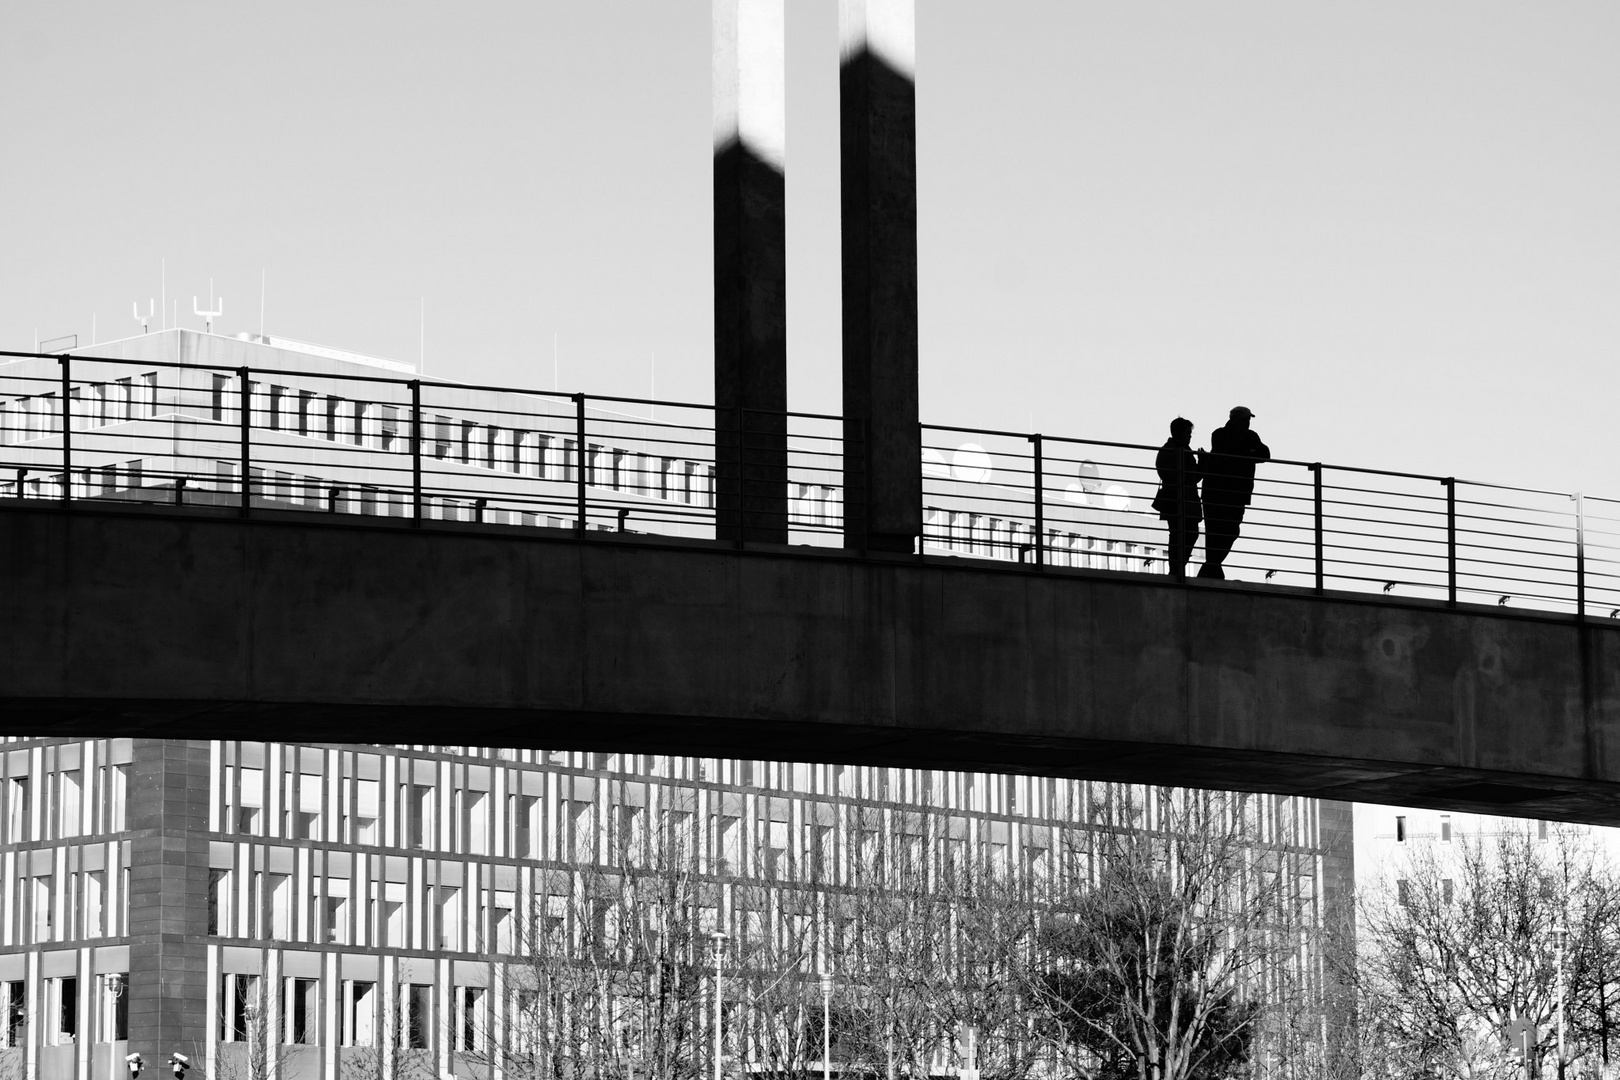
<point>1470,942</point>
<point>1174,927</point>
<point>607,981</point>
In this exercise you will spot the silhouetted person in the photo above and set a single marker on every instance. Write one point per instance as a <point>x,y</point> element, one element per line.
<point>1228,469</point>
<point>1177,500</point>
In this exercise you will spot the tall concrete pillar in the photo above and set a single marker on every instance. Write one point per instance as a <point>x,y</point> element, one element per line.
<point>878,121</point>
<point>750,304</point>
<point>168,900</point>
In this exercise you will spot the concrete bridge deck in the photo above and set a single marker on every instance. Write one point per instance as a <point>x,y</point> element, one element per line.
<point>186,623</point>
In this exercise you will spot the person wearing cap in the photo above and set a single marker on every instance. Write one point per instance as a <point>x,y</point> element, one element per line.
<point>1228,468</point>
<point>1177,500</point>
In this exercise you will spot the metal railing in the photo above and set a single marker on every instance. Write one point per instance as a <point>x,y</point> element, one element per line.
<point>1066,502</point>
<point>256,441</point>
<point>262,440</point>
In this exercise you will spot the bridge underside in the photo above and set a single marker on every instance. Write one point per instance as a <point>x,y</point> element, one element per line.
<point>185,624</point>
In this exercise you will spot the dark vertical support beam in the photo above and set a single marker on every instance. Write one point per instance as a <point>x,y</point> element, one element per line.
<point>246,462</point>
<point>1319,546</point>
<point>416,453</point>
<point>878,140</point>
<point>67,427</point>
<point>750,271</point>
<point>1451,540</point>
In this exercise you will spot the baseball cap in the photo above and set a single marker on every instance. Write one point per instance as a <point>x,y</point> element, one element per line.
<point>1244,410</point>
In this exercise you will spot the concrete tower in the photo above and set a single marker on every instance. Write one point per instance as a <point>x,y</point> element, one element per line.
<point>878,122</point>
<point>750,306</point>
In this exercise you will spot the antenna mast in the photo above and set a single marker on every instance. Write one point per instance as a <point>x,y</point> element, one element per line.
<point>210,315</point>
<point>144,320</point>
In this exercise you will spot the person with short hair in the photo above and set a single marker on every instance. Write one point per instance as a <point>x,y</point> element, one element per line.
<point>1177,500</point>
<point>1228,468</point>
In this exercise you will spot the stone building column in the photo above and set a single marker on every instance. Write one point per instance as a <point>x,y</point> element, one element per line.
<point>168,900</point>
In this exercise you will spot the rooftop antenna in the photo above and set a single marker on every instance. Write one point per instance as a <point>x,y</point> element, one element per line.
<point>209,316</point>
<point>653,407</point>
<point>163,291</point>
<point>554,378</point>
<point>144,320</point>
<point>261,299</point>
<point>421,336</point>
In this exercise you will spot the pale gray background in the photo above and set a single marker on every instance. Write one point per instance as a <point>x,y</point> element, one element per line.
<point>1391,229</point>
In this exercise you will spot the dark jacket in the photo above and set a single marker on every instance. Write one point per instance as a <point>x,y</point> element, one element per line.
<point>1229,464</point>
<point>1178,487</point>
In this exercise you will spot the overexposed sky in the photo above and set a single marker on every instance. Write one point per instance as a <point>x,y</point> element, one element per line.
<point>1391,229</point>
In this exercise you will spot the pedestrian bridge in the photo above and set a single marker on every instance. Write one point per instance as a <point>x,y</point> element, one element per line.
<point>151,619</point>
<point>202,535</point>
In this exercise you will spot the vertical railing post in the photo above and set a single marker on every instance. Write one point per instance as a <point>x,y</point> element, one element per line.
<point>1040,503</point>
<point>579,458</point>
<point>922,490</point>
<point>67,429</point>
<point>416,452</point>
<point>1580,557</point>
<point>1451,540</point>
<point>1321,558</point>
<point>247,428</point>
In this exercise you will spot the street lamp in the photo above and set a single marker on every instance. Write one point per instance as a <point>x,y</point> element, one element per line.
<point>826,1025</point>
<point>719,938</point>
<point>1560,933</point>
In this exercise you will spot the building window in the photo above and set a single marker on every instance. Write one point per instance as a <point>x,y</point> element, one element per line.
<point>474,823</point>
<point>1446,890</point>
<point>239,1013</point>
<point>470,1024</point>
<point>419,810</point>
<point>505,924</point>
<point>71,788</point>
<point>281,907</point>
<point>1400,828</point>
<point>447,916</point>
<point>14,1010</point>
<point>112,1009</point>
<point>416,1016</point>
<point>1403,892</point>
<point>525,826</point>
<point>216,409</point>
<point>1445,828</point>
<point>61,1015</point>
<point>116,792</point>
<point>393,913</point>
<point>304,823</point>
<point>337,916</point>
<point>360,1013</point>
<point>95,895</point>
<point>249,811</point>
<point>43,921</point>
<point>219,902</point>
<point>17,807</point>
<point>363,829</point>
<point>302,1010</point>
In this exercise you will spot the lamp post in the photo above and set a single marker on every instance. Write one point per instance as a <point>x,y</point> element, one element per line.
<point>719,938</point>
<point>1561,932</point>
<point>826,1025</point>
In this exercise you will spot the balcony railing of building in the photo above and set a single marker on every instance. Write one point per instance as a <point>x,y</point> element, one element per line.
<point>251,442</point>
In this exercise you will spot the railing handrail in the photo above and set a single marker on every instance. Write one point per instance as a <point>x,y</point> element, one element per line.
<point>702,467</point>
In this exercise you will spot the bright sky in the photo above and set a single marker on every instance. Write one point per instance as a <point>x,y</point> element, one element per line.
<point>1391,229</point>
